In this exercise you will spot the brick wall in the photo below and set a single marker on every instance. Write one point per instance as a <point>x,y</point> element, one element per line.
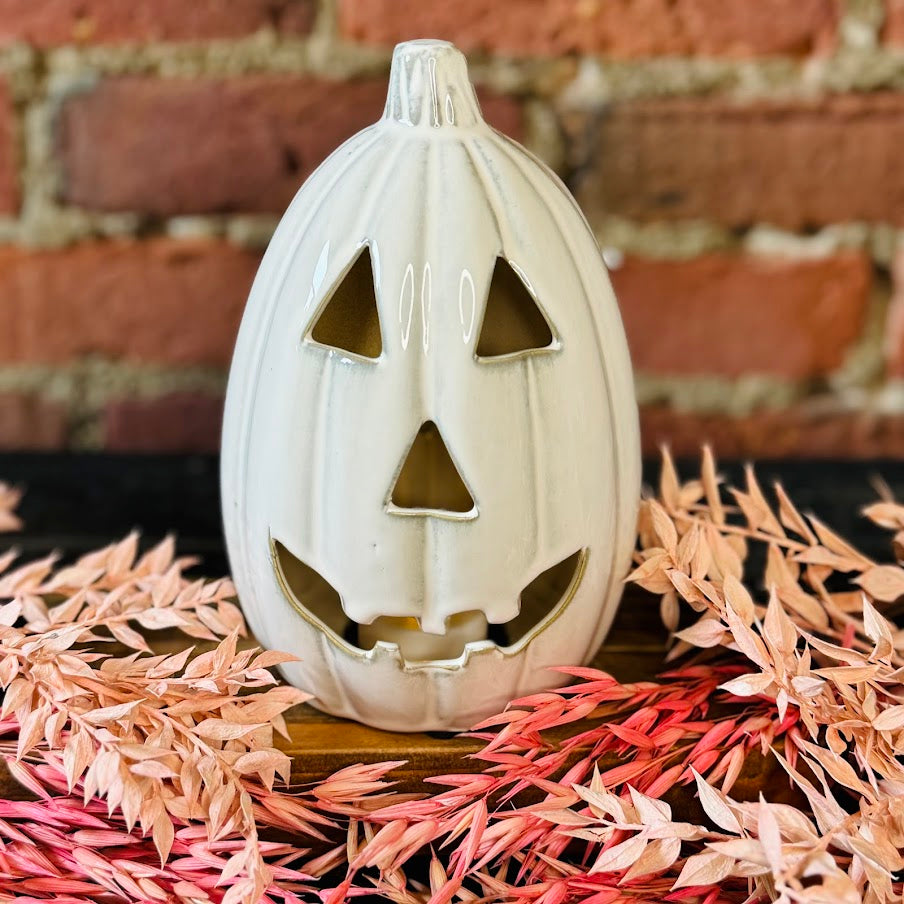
<point>738,159</point>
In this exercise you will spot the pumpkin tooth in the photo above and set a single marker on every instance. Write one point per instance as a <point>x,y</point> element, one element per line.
<point>383,649</point>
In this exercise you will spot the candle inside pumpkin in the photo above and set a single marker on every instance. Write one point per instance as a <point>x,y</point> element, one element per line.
<point>416,645</point>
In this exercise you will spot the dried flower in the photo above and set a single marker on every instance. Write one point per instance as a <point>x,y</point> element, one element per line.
<point>165,740</point>
<point>803,677</point>
<point>10,497</point>
<point>157,776</point>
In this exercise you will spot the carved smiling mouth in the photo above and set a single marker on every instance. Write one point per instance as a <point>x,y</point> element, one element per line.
<point>320,603</point>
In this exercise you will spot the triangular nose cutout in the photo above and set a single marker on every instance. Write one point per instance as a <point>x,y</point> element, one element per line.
<point>428,482</point>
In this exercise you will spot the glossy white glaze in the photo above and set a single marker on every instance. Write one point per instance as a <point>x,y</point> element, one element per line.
<point>545,441</point>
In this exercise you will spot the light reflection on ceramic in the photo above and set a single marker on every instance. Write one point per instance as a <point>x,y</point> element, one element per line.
<point>430,451</point>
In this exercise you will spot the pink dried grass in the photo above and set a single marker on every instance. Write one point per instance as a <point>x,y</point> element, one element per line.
<point>166,741</point>
<point>571,797</point>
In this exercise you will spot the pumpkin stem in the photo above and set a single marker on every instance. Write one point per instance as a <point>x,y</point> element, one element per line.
<point>429,86</point>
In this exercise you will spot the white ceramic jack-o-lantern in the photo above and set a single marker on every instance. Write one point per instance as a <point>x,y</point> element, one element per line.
<point>430,454</point>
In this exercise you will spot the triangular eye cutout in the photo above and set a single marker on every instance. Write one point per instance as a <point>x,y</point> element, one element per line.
<point>512,322</point>
<point>429,482</point>
<point>350,321</point>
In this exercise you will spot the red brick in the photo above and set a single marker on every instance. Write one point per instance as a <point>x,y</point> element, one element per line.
<point>162,300</point>
<point>801,432</point>
<point>893,28</point>
<point>622,28</point>
<point>32,423</point>
<point>50,23</point>
<point>177,422</point>
<point>207,146</point>
<point>894,326</point>
<point>9,157</point>
<point>793,163</point>
<point>733,314</point>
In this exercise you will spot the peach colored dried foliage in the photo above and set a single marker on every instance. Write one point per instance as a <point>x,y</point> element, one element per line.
<point>166,741</point>
<point>571,798</point>
<point>9,502</point>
